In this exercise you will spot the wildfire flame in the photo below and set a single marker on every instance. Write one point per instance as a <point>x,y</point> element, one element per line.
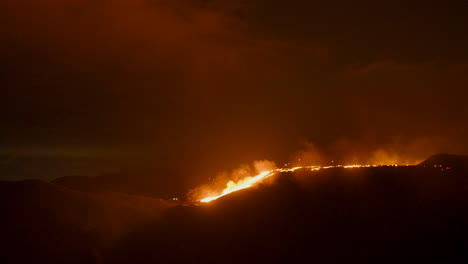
<point>253,180</point>
<point>242,184</point>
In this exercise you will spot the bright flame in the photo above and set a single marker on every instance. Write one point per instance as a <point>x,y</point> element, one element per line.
<point>242,184</point>
<point>251,181</point>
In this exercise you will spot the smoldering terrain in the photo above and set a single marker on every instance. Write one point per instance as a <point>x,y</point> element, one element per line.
<point>360,215</point>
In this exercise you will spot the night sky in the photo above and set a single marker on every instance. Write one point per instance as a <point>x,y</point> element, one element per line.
<point>188,88</point>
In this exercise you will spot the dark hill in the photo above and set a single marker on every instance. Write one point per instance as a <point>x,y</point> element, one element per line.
<point>411,214</point>
<point>47,223</point>
<point>445,161</point>
<point>369,215</point>
<point>157,186</point>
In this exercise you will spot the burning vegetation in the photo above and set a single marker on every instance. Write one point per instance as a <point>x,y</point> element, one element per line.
<point>249,181</point>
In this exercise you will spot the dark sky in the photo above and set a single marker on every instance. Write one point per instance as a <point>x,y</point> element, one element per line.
<point>201,86</point>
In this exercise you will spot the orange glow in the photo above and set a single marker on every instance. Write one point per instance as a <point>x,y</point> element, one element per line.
<point>253,180</point>
<point>242,184</point>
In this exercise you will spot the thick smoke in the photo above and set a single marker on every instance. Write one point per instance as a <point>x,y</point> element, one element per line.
<point>167,79</point>
<point>370,152</point>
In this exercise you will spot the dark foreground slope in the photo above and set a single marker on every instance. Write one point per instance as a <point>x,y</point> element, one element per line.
<point>46,223</point>
<point>369,215</point>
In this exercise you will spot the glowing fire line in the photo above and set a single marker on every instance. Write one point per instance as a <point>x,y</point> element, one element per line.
<point>251,181</point>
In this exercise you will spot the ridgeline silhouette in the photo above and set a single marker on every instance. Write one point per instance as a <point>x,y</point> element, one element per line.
<point>363,215</point>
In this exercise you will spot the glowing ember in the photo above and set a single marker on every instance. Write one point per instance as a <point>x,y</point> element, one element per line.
<point>251,181</point>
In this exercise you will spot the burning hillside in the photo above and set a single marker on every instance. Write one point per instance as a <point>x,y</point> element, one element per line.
<point>211,193</point>
<point>322,214</point>
<point>250,181</point>
<point>358,214</point>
